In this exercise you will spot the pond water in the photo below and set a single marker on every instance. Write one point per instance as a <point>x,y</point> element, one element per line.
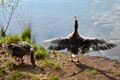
<point>54,18</point>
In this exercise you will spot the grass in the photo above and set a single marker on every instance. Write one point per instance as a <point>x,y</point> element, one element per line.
<point>90,71</point>
<point>1,41</point>
<point>40,53</point>
<point>31,76</point>
<point>50,63</point>
<point>2,31</point>
<point>26,34</point>
<point>10,65</point>
<point>57,53</point>
<point>57,66</point>
<point>11,39</point>
<point>15,75</point>
<point>2,72</point>
<point>53,78</point>
<point>115,73</point>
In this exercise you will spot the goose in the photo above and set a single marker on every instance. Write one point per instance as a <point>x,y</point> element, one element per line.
<point>19,50</point>
<point>75,43</point>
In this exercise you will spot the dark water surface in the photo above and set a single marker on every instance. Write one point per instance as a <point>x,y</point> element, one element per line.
<point>54,18</point>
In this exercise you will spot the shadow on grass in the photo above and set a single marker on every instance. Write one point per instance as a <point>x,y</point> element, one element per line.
<point>84,67</point>
<point>29,68</point>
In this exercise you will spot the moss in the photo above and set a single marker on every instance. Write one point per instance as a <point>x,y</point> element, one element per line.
<point>53,78</point>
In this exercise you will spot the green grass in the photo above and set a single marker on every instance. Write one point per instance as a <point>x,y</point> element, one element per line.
<point>2,72</point>
<point>90,71</point>
<point>57,53</point>
<point>40,53</point>
<point>2,40</point>
<point>57,66</point>
<point>11,39</point>
<point>26,34</point>
<point>10,65</point>
<point>15,75</point>
<point>2,31</point>
<point>50,63</point>
<point>47,62</point>
<point>53,78</point>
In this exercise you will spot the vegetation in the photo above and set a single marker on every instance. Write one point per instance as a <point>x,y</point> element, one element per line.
<point>11,39</point>
<point>8,8</point>
<point>10,65</point>
<point>57,66</point>
<point>2,71</point>
<point>2,32</point>
<point>26,34</point>
<point>90,71</point>
<point>53,78</point>
<point>15,75</point>
<point>49,63</point>
<point>50,66</point>
<point>40,53</point>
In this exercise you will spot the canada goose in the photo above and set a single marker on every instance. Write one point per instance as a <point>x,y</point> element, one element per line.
<point>20,49</point>
<point>75,43</point>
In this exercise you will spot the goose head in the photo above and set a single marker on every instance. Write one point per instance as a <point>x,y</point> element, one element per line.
<point>75,24</point>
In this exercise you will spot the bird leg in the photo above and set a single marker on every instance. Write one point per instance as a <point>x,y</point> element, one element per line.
<point>32,59</point>
<point>71,59</point>
<point>75,58</point>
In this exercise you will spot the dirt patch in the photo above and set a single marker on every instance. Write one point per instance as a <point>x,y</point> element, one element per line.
<point>89,68</point>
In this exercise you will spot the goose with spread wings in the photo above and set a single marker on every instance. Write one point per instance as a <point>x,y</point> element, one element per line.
<point>75,43</point>
<point>19,50</point>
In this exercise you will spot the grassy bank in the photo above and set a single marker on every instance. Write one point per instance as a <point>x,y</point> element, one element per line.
<point>53,65</point>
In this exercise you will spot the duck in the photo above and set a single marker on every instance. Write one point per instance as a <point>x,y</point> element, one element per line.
<point>19,49</point>
<point>75,43</point>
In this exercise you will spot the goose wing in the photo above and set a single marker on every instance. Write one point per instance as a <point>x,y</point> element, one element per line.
<point>57,43</point>
<point>26,46</point>
<point>96,45</point>
<point>17,48</point>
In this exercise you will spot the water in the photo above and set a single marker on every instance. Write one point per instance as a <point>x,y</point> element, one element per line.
<point>54,18</point>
